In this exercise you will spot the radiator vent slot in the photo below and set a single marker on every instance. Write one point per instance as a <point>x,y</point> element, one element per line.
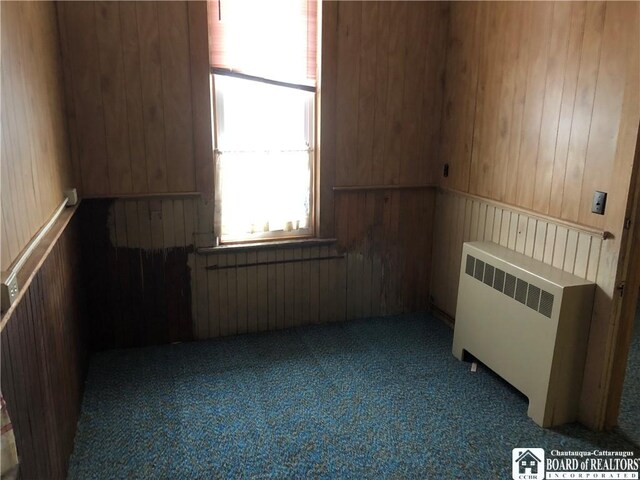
<point>533,297</point>
<point>510,285</point>
<point>488,274</point>
<point>546,304</point>
<point>479,272</point>
<point>471,263</point>
<point>521,290</point>
<point>498,280</point>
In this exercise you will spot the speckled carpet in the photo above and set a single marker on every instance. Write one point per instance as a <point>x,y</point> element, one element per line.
<point>629,418</point>
<point>378,398</point>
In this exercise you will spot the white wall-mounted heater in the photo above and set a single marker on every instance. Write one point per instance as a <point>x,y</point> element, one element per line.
<point>528,322</point>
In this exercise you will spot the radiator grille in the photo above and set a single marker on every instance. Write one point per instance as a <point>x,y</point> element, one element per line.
<point>528,294</point>
<point>533,297</point>
<point>498,280</point>
<point>471,262</point>
<point>510,285</point>
<point>479,272</point>
<point>521,290</point>
<point>488,274</point>
<point>546,304</point>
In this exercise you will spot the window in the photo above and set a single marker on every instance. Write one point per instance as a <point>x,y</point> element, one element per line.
<point>263,64</point>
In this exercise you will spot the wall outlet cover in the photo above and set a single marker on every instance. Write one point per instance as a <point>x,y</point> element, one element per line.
<point>599,202</point>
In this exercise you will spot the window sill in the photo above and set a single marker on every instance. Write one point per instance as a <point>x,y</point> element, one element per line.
<point>270,245</point>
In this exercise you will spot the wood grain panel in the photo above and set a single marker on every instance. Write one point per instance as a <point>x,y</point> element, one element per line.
<point>533,102</point>
<point>459,99</point>
<point>129,69</point>
<point>44,359</point>
<point>387,70</point>
<point>35,167</point>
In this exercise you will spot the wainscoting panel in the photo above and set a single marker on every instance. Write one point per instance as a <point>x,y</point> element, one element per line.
<point>461,218</point>
<point>268,289</point>
<point>135,253</point>
<point>147,282</point>
<point>380,265</point>
<point>44,360</point>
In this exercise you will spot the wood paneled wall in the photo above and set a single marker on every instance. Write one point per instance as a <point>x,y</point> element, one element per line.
<point>137,95</point>
<point>376,268</point>
<point>44,358</point>
<point>541,108</point>
<point>536,95</point>
<point>460,218</point>
<point>387,235</point>
<point>382,90</point>
<point>380,94</point>
<point>149,285</point>
<point>35,166</point>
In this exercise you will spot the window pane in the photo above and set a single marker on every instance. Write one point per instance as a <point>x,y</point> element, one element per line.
<point>265,158</point>
<point>257,116</point>
<point>264,192</point>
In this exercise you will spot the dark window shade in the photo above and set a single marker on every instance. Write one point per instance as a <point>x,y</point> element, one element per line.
<point>275,40</point>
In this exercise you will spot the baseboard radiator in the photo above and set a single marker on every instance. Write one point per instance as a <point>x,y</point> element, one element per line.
<point>529,323</point>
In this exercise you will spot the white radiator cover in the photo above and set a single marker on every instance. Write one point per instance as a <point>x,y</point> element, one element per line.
<point>528,322</point>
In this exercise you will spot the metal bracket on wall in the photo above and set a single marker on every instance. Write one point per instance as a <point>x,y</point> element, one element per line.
<point>10,291</point>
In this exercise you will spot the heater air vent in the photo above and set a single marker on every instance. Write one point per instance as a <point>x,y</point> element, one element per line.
<point>528,294</point>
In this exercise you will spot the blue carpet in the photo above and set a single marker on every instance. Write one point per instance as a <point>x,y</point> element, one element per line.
<point>629,418</point>
<point>381,398</point>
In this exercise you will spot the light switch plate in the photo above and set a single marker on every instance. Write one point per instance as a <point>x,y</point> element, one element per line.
<point>599,202</point>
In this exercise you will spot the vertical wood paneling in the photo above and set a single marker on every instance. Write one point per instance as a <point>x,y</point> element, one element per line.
<point>347,85</point>
<point>569,91</point>
<point>35,167</point>
<point>133,94</point>
<point>583,109</point>
<point>396,52</point>
<point>540,17</point>
<point>87,100</point>
<point>374,269</point>
<point>533,102</point>
<point>556,69</point>
<point>388,91</point>
<point>141,289</point>
<point>149,37</point>
<point>459,104</point>
<point>173,23</point>
<point>44,361</point>
<point>129,70</point>
<point>617,46</point>
<point>111,66</point>
<point>570,249</point>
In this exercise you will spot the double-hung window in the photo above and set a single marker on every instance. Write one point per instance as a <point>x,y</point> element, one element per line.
<point>263,77</point>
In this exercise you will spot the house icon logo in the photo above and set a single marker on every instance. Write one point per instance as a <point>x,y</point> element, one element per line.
<point>528,463</point>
